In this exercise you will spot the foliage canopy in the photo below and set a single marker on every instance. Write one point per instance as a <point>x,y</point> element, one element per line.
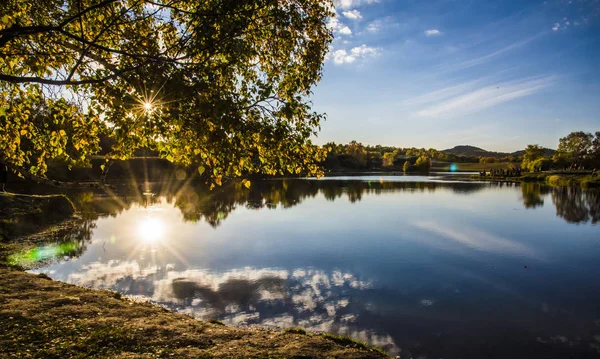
<point>220,85</point>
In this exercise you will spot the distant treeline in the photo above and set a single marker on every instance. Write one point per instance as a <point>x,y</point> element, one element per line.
<point>356,156</point>
<point>579,150</point>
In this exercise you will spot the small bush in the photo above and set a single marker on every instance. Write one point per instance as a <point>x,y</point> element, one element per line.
<point>347,341</point>
<point>296,331</point>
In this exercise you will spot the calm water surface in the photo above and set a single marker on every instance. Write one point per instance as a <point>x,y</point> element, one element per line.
<point>418,266</point>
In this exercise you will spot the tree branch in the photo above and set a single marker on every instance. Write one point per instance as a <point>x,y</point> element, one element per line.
<point>41,80</point>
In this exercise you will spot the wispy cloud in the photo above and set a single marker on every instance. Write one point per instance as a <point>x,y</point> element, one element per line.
<point>432,32</point>
<point>489,57</point>
<point>353,15</point>
<point>486,97</point>
<point>375,26</point>
<point>345,57</point>
<point>478,240</point>
<point>441,94</point>
<point>564,24</point>
<point>387,22</point>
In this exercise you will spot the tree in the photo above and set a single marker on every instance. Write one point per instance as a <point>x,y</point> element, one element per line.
<point>388,159</point>
<point>220,85</point>
<point>532,153</point>
<point>540,164</point>
<point>576,147</point>
<point>407,166</point>
<point>423,163</point>
<point>595,151</point>
<point>358,151</point>
<point>53,129</point>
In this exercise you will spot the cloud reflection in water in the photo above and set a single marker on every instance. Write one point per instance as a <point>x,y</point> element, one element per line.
<point>310,298</point>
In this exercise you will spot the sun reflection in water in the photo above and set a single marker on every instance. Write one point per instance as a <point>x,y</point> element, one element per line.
<point>151,229</point>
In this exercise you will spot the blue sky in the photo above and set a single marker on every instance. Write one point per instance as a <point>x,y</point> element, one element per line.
<point>494,74</point>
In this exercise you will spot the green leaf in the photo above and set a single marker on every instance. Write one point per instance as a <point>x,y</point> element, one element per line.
<point>201,170</point>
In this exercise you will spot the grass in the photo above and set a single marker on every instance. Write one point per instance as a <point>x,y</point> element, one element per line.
<point>582,180</point>
<point>564,179</point>
<point>573,180</point>
<point>350,342</point>
<point>216,321</point>
<point>296,330</point>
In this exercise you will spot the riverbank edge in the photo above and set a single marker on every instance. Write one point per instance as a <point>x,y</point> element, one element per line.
<point>551,179</point>
<point>45,318</point>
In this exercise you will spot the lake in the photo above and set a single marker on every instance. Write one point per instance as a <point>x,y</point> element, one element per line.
<point>421,266</point>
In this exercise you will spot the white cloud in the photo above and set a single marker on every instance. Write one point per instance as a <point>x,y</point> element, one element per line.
<point>354,14</point>
<point>338,28</point>
<point>349,4</point>
<point>432,32</point>
<point>342,57</point>
<point>345,31</point>
<point>556,27</point>
<point>486,97</point>
<point>364,50</point>
<point>347,57</point>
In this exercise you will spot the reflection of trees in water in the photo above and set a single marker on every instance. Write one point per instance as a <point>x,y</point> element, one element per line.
<point>214,206</point>
<point>197,203</point>
<point>576,205</point>
<point>68,240</point>
<point>532,194</point>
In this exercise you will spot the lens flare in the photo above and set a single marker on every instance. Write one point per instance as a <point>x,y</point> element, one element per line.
<point>453,167</point>
<point>151,229</point>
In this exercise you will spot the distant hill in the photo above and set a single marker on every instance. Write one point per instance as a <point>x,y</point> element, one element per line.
<point>547,152</point>
<point>466,150</point>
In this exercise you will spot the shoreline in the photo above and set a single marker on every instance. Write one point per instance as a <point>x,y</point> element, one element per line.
<point>555,179</point>
<point>45,318</point>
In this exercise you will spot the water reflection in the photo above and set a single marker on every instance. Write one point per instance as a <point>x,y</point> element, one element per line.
<point>477,239</point>
<point>310,298</point>
<point>533,194</point>
<point>575,205</point>
<point>61,243</point>
<point>196,204</point>
<point>418,267</point>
